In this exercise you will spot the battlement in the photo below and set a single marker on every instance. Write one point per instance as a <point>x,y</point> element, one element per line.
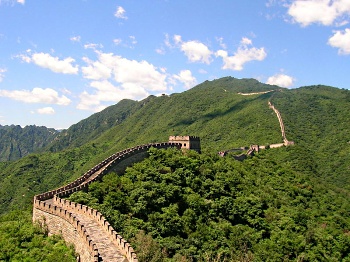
<point>64,217</point>
<point>187,142</point>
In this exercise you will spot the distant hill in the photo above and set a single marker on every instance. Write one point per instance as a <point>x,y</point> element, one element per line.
<point>91,127</point>
<point>316,118</point>
<point>214,110</point>
<point>17,142</point>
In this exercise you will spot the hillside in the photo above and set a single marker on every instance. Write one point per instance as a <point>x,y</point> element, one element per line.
<point>317,118</point>
<point>91,127</point>
<point>212,110</point>
<point>168,114</point>
<point>17,142</point>
<point>176,206</point>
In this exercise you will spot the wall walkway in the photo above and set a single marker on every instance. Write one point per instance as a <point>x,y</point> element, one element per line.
<point>86,228</point>
<point>255,148</point>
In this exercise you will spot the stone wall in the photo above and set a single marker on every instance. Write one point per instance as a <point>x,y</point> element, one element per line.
<point>59,221</point>
<point>187,142</point>
<point>55,213</point>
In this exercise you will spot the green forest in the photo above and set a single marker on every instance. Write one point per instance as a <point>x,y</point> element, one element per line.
<point>283,204</point>
<point>192,207</point>
<point>20,240</point>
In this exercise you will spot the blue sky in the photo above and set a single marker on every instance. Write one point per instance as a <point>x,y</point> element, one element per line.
<point>63,60</point>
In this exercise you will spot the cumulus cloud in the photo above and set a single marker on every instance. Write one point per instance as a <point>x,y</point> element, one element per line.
<point>120,13</point>
<point>56,65</point>
<point>95,70</point>
<point>46,111</point>
<point>244,54</point>
<point>116,78</point>
<point>37,95</point>
<point>186,77</point>
<point>2,74</point>
<point>21,2</point>
<point>105,91</point>
<point>194,50</point>
<point>280,80</point>
<point>341,40</point>
<point>326,12</point>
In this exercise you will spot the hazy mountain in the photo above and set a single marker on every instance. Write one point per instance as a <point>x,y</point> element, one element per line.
<point>17,141</point>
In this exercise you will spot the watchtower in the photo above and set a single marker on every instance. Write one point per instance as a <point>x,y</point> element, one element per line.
<point>187,142</point>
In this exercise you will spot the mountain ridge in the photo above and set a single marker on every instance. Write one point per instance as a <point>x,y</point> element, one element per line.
<point>213,111</point>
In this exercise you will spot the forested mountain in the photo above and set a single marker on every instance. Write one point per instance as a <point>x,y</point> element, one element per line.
<point>213,111</point>
<point>272,188</point>
<point>17,142</point>
<point>169,114</point>
<point>93,126</point>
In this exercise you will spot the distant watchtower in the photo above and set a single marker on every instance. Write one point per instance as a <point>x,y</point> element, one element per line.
<point>188,142</point>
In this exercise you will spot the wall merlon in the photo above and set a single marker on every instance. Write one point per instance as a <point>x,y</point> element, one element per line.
<point>65,209</point>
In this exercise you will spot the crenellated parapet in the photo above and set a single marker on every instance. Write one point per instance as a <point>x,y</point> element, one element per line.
<point>76,222</point>
<point>73,231</point>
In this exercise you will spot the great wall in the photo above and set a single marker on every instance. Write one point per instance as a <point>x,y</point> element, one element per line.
<point>255,148</point>
<point>87,229</point>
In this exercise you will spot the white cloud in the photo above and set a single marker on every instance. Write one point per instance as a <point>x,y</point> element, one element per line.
<point>160,51</point>
<point>117,41</point>
<point>133,40</point>
<point>185,77</point>
<point>75,38</point>
<point>93,46</point>
<point>221,42</point>
<point>196,51</point>
<point>280,80</point>
<point>246,41</point>
<point>105,91</point>
<point>37,95</point>
<point>118,78</point>
<point>2,75</point>
<point>325,12</point>
<point>243,55</point>
<point>56,65</point>
<point>95,70</point>
<point>46,111</point>
<point>120,13</point>
<point>177,39</point>
<point>12,2</point>
<point>130,42</point>
<point>341,40</point>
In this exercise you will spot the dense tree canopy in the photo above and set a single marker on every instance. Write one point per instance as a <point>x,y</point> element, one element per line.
<point>20,240</point>
<point>191,207</point>
<point>283,204</point>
